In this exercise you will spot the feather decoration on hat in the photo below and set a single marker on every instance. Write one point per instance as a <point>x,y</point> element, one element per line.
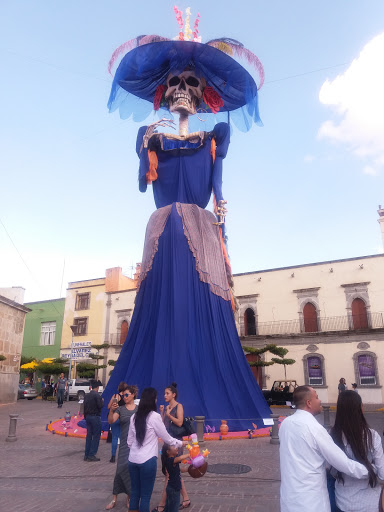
<point>240,51</point>
<point>131,44</point>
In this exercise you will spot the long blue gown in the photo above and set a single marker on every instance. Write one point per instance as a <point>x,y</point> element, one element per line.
<point>181,331</point>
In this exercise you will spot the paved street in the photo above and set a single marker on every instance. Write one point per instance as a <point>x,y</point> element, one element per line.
<point>45,472</point>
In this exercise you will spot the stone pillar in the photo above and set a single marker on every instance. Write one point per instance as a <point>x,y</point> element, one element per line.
<point>275,429</point>
<point>12,428</point>
<point>108,304</point>
<point>327,419</point>
<point>200,428</point>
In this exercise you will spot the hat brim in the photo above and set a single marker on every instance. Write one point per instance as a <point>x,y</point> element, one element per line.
<point>147,66</point>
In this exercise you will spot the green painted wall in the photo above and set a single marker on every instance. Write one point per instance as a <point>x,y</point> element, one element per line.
<point>44,311</point>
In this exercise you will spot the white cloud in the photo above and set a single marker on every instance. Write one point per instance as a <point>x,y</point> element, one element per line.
<point>309,159</point>
<point>356,97</point>
<point>371,171</point>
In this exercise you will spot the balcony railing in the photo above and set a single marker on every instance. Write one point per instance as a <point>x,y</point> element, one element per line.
<point>324,324</point>
<point>114,338</point>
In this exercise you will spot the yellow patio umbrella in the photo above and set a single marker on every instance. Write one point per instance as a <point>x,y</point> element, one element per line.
<point>29,366</point>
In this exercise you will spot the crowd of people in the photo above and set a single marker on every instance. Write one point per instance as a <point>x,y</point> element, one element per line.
<point>138,426</point>
<point>336,472</point>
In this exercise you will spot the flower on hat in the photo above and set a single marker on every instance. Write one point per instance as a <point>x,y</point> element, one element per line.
<point>212,99</point>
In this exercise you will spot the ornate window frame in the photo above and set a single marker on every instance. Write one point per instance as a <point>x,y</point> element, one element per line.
<point>247,302</point>
<point>306,373</point>
<point>122,314</point>
<point>357,291</point>
<point>357,373</point>
<point>305,295</point>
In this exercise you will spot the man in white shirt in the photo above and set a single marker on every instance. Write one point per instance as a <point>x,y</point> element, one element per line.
<point>305,448</point>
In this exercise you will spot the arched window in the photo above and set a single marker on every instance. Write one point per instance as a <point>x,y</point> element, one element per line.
<point>359,314</point>
<point>249,322</point>
<point>315,371</point>
<point>123,331</point>
<point>310,318</point>
<point>367,369</point>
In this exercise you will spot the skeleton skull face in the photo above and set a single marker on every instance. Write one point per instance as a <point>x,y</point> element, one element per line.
<point>184,92</point>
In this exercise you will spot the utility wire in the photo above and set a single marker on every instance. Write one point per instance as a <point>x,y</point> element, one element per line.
<point>53,66</point>
<point>29,270</point>
<point>18,252</point>
<point>306,73</point>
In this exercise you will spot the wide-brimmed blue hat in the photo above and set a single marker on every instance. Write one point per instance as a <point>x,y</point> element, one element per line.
<point>149,60</point>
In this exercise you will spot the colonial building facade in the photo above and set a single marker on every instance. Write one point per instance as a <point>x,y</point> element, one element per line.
<point>43,328</point>
<point>87,317</point>
<point>329,315</point>
<point>12,318</point>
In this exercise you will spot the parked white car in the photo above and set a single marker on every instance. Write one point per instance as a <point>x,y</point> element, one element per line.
<point>78,388</point>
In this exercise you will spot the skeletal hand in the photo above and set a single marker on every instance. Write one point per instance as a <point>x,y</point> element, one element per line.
<point>221,212</point>
<point>170,123</point>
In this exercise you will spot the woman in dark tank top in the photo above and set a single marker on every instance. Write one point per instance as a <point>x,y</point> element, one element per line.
<point>173,413</point>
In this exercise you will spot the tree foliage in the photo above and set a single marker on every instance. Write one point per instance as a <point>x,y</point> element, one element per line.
<point>94,356</point>
<point>26,360</point>
<point>51,368</point>
<point>111,362</point>
<point>2,357</point>
<point>99,347</point>
<point>61,360</point>
<point>260,363</point>
<point>88,369</point>
<point>273,349</point>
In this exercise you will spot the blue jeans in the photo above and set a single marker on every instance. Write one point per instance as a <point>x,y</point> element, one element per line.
<point>173,500</point>
<point>115,429</point>
<point>93,435</point>
<point>60,396</point>
<point>142,481</point>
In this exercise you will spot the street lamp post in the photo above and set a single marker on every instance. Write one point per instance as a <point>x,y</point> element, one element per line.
<point>74,331</point>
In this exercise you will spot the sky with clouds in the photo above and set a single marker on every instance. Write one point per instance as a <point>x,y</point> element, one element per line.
<point>356,98</point>
<point>303,188</point>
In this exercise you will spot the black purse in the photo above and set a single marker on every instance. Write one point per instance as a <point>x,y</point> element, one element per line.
<point>188,426</point>
<point>186,429</point>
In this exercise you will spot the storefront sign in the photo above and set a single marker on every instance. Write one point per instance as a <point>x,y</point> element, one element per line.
<point>80,351</point>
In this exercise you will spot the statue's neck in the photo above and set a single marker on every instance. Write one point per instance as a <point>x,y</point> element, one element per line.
<point>183,125</point>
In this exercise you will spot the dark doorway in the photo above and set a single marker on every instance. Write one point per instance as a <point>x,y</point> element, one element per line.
<point>359,314</point>
<point>249,322</point>
<point>310,318</point>
<point>123,332</point>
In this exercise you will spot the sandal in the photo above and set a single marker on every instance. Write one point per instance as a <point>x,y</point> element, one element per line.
<point>185,504</point>
<point>111,505</point>
<point>157,509</point>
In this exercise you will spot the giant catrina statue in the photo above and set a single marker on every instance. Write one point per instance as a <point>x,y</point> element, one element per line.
<point>183,327</point>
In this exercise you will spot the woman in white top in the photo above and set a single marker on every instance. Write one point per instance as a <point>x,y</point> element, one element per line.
<point>352,434</point>
<point>145,429</point>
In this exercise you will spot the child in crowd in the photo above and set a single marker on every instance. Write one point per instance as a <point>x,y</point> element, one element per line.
<point>171,465</point>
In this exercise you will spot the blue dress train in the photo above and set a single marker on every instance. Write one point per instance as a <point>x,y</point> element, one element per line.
<point>183,328</point>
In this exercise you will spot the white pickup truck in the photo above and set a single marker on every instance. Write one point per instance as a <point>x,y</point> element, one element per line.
<point>78,388</point>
